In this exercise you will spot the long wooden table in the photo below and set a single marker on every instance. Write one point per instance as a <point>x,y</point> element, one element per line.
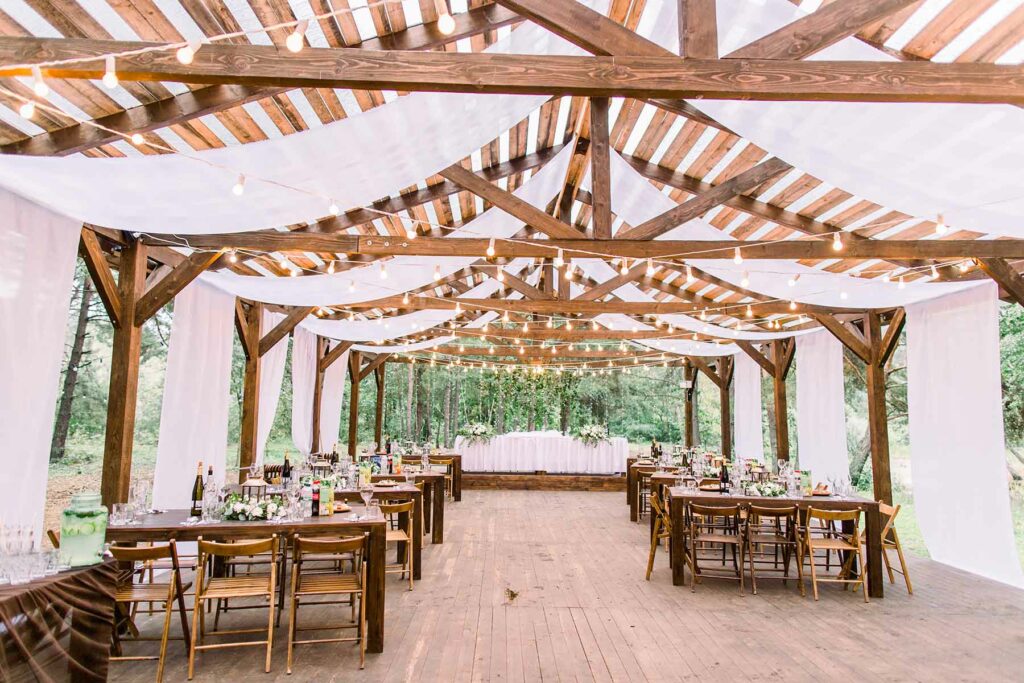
<point>433,501</point>
<point>678,498</point>
<point>402,491</point>
<point>456,472</point>
<point>167,525</point>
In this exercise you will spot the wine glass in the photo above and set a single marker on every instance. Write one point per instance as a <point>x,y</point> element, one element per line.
<point>366,493</point>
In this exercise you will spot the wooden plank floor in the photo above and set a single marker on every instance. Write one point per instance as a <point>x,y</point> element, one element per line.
<point>584,612</point>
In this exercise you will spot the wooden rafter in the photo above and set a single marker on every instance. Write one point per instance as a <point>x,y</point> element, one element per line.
<point>600,165</point>
<point>372,365</point>
<point>166,289</point>
<point>250,342</point>
<point>759,357</point>
<point>284,328</point>
<point>1007,278</point>
<point>334,354</point>
<point>514,282</point>
<point>612,283</point>
<point>704,202</point>
<point>698,29</point>
<point>495,73</point>
<point>846,335</point>
<point>101,274</point>
<point>891,338</point>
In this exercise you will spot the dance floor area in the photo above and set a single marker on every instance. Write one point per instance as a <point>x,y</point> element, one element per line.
<point>535,585</point>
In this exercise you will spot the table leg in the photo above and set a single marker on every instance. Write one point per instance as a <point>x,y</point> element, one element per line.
<point>676,544</point>
<point>873,530</point>
<point>632,486</point>
<point>437,517</point>
<point>457,480</point>
<point>376,560</point>
<point>428,496</point>
<point>417,536</point>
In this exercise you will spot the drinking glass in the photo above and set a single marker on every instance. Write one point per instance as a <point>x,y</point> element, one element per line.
<point>366,493</point>
<point>118,514</point>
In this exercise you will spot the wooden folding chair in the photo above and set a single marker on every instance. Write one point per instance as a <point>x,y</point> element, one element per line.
<point>402,534</point>
<point>662,531</point>
<point>336,583</point>
<point>128,594</point>
<point>774,528</point>
<point>449,472</point>
<point>890,541</point>
<point>716,525</point>
<point>221,588</point>
<point>832,539</point>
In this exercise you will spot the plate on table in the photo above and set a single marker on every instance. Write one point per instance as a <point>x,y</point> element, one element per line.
<point>709,487</point>
<point>341,507</point>
<point>821,493</point>
<point>386,483</point>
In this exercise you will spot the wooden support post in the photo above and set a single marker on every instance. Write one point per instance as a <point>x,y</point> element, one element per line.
<point>124,378</point>
<point>354,363</point>
<point>725,414</point>
<point>247,440</point>
<point>378,415</point>
<point>600,164</point>
<point>318,394</point>
<point>878,418</point>
<point>689,417</point>
<point>781,365</point>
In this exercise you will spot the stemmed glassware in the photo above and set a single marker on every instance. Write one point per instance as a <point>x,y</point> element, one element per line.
<point>366,493</point>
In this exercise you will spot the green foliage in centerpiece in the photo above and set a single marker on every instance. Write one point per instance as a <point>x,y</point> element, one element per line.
<point>478,432</point>
<point>239,508</point>
<point>592,435</point>
<point>768,489</point>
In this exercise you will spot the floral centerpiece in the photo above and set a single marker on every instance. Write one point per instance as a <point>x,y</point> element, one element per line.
<point>768,489</point>
<point>592,435</point>
<point>241,508</point>
<point>478,432</point>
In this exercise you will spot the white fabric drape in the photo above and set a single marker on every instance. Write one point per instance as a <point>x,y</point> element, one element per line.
<point>748,434</point>
<point>197,391</point>
<point>271,375</point>
<point>957,448</point>
<point>331,399</point>
<point>821,407</point>
<point>550,451</point>
<point>303,381</point>
<point>37,266</point>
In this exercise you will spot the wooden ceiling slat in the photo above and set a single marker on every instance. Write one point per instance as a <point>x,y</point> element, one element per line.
<point>945,26</point>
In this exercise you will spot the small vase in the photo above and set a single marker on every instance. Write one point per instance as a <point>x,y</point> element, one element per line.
<point>83,530</point>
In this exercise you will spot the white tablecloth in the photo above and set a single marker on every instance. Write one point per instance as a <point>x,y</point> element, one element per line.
<point>547,451</point>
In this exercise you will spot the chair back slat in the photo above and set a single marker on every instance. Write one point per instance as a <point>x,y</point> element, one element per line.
<point>123,553</point>
<point>397,508</point>
<point>330,546</point>
<point>241,549</point>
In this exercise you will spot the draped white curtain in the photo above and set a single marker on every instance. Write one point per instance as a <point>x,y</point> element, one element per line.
<point>957,448</point>
<point>821,407</point>
<point>271,374</point>
<point>749,436</point>
<point>37,266</point>
<point>331,400</point>
<point>303,381</point>
<point>197,391</point>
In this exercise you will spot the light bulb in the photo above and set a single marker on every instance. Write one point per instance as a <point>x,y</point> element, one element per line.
<point>689,274</point>
<point>39,86</point>
<point>405,298</point>
<point>294,272</point>
<point>330,268</point>
<point>940,225</point>
<point>793,279</point>
<point>27,110</point>
<point>568,324</point>
<point>296,38</point>
<point>559,259</point>
<point>232,256</point>
<point>935,272</point>
<point>187,53</point>
<point>623,268</point>
<point>792,304</point>
<point>703,314</point>
<point>886,277</point>
<point>109,75</point>
<point>239,187</point>
<point>745,280</point>
<point>526,327</point>
<point>282,263</point>
<point>490,248</point>
<point>446,24</point>
<point>504,317</point>
<point>411,233</point>
<point>437,273</point>
<point>737,256</point>
<point>501,274</point>
<point>750,311</point>
<point>458,306</point>
<point>568,272</point>
<point>964,266</point>
<point>650,267</point>
<point>550,324</point>
<point>333,209</point>
<point>383,271</point>
<point>137,139</point>
<point>837,241</point>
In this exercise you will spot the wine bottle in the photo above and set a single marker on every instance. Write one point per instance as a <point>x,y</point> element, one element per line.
<point>723,479</point>
<point>316,501</point>
<point>286,471</point>
<point>197,492</point>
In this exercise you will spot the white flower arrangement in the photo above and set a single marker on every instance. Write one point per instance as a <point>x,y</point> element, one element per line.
<point>768,489</point>
<point>247,508</point>
<point>592,435</point>
<point>477,432</point>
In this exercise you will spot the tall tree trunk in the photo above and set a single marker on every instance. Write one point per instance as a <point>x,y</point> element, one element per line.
<point>410,394</point>
<point>422,419</point>
<point>447,427</point>
<point>860,457</point>
<point>455,408</point>
<point>531,415</point>
<point>500,408</point>
<point>563,422</point>
<point>67,392</point>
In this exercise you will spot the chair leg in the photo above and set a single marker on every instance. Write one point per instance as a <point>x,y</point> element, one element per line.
<point>168,609</point>
<point>409,559</point>
<point>654,548</point>
<point>814,573</point>
<point>272,604</point>
<point>362,628</point>
<point>903,566</point>
<point>750,560</point>
<point>293,615</point>
<point>888,566</point>
<point>800,568</point>
<point>197,615</point>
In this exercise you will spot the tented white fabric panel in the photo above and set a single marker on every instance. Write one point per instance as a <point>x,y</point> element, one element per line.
<point>331,399</point>
<point>303,381</point>
<point>197,392</point>
<point>329,162</point>
<point>37,266</point>
<point>404,272</point>
<point>904,156</point>
<point>747,432</point>
<point>821,407</point>
<point>271,375</point>
<point>957,448</point>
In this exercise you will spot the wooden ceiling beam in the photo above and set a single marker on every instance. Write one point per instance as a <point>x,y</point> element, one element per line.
<point>538,352</point>
<point>494,73</point>
<point>562,334</point>
<point>698,29</point>
<point>891,338</point>
<point>576,306</point>
<point>1004,274</point>
<point>334,354</point>
<point>250,345</point>
<point>284,328</point>
<point>373,365</point>
<point>601,290</point>
<point>171,284</point>
<point>856,343</point>
<point>514,282</point>
<point>759,357</point>
<point>600,168</point>
<point>705,201</point>
<point>795,249</point>
<point>102,275</point>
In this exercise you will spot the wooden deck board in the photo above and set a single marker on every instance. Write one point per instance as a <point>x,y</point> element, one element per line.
<point>584,612</point>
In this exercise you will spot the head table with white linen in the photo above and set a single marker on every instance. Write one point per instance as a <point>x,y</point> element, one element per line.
<point>548,451</point>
